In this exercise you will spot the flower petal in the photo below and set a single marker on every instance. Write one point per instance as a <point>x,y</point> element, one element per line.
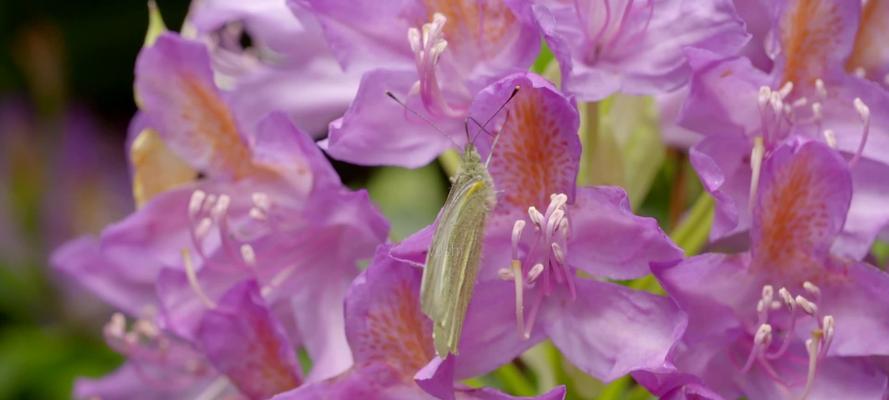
<point>122,266</point>
<point>723,95</point>
<point>378,131</point>
<point>362,33</point>
<point>490,335</point>
<point>636,49</point>
<point>608,240</point>
<point>557,393</point>
<point>716,290</point>
<point>246,343</point>
<point>723,165</point>
<point>437,378</point>
<point>857,296</point>
<point>175,84</point>
<point>591,331</point>
<point>868,214</point>
<point>815,38</point>
<point>384,323</point>
<point>538,150</point>
<point>801,207</point>
<point>870,52</point>
<point>280,146</point>
<point>130,381</point>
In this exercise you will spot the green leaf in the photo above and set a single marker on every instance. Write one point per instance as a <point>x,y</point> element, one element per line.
<point>621,145</point>
<point>881,253</point>
<point>616,390</point>
<point>514,381</point>
<point>691,234</point>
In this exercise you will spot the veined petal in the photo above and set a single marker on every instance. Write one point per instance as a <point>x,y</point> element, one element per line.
<point>870,52</point>
<point>490,337</point>
<point>723,95</point>
<point>591,331</point>
<point>715,289</point>
<point>377,130</point>
<point>557,393</point>
<point>723,165</point>
<point>856,295</point>
<point>610,241</point>
<point>280,146</point>
<point>384,322</point>
<point>868,214</point>
<point>815,38</point>
<point>175,84</point>
<point>636,47</point>
<point>363,33</point>
<point>246,343</point>
<point>800,208</point>
<point>116,267</point>
<point>537,153</point>
<point>131,381</point>
<point>287,67</point>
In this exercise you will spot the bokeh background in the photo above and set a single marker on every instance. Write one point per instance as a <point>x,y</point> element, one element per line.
<point>66,73</point>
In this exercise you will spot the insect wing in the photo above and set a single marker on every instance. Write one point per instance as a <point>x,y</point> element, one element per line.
<point>453,260</point>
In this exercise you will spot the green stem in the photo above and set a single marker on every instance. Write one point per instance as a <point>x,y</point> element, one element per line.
<point>691,234</point>
<point>450,162</point>
<point>514,380</point>
<point>616,389</point>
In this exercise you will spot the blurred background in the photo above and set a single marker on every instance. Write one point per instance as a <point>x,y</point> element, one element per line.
<point>66,73</point>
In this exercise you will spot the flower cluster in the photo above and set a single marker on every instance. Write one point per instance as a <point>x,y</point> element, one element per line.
<point>249,270</point>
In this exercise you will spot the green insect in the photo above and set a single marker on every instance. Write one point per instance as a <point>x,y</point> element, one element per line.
<point>453,259</point>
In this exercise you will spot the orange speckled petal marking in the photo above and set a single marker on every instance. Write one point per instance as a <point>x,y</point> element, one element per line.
<point>244,341</point>
<point>384,323</point>
<point>475,28</point>
<point>175,85</point>
<point>816,36</point>
<point>871,51</point>
<point>538,152</point>
<point>802,204</point>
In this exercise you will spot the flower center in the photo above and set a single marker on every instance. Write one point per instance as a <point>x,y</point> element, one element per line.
<point>207,211</point>
<point>543,261</point>
<point>765,350</point>
<point>778,115</point>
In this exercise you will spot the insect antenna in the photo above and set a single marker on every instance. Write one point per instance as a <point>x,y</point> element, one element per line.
<point>422,117</point>
<point>481,126</point>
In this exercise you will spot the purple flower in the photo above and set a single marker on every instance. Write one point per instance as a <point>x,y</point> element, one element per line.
<point>391,341</point>
<point>258,252</point>
<point>788,318</point>
<point>632,46</point>
<point>434,56</point>
<point>286,67</point>
<point>807,93</point>
<point>542,234</point>
<point>869,58</point>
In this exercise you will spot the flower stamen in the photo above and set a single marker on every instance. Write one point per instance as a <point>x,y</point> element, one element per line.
<point>863,113</point>
<point>191,275</point>
<point>427,45</point>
